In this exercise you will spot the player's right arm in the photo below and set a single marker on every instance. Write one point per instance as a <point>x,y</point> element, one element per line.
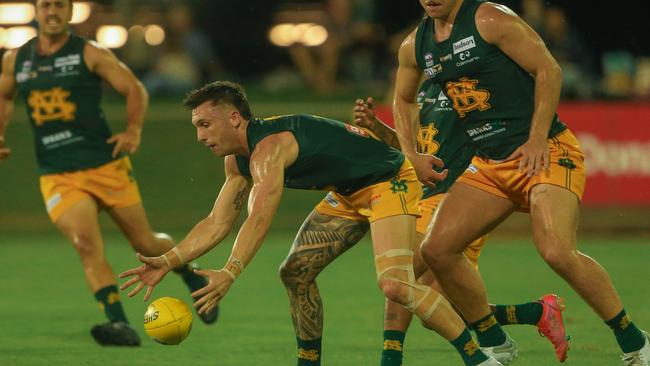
<point>406,114</point>
<point>205,235</point>
<point>7,91</point>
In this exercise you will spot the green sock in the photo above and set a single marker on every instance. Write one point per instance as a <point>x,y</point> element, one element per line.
<point>468,349</point>
<point>488,331</point>
<point>628,336</point>
<point>393,345</point>
<point>191,279</point>
<point>309,352</point>
<point>109,301</point>
<point>528,313</point>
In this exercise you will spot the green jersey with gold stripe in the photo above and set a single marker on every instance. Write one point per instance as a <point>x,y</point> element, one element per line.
<point>492,95</point>
<point>440,135</point>
<point>333,156</point>
<point>63,106</point>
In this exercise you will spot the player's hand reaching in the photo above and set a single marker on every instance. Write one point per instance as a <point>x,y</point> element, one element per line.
<point>219,282</point>
<point>424,164</point>
<point>364,112</point>
<point>127,141</point>
<point>4,151</point>
<point>534,156</point>
<point>148,274</point>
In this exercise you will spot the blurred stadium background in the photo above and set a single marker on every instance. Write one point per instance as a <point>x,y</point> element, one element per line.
<point>315,57</point>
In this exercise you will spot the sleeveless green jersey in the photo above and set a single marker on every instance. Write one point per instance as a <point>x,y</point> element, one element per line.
<point>440,135</point>
<point>333,156</point>
<point>492,95</point>
<point>62,98</point>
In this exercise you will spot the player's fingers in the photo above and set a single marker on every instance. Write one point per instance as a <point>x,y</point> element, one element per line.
<point>371,103</point>
<point>202,291</point>
<point>112,139</point>
<point>148,293</point>
<point>523,162</point>
<point>515,154</point>
<point>137,289</point>
<point>531,167</point>
<point>128,283</point>
<point>131,272</point>
<point>145,260</point>
<point>434,160</point>
<point>546,160</point>
<point>117,148</point>
<point>202,272</point>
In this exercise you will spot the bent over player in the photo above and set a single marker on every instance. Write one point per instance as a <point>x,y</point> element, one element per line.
<point>368,181</point>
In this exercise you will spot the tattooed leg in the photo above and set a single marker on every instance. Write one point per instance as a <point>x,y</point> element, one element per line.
<point>321,239</point>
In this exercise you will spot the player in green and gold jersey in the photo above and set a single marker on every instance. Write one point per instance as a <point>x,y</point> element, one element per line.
<point>371,187</point>
<point>504,86</point>
<point>81,164</point>
<point>440,135</point>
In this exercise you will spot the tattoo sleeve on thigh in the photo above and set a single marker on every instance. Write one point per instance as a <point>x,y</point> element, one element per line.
<point>321,239</point>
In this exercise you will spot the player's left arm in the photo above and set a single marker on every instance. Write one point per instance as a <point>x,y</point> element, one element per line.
<point>365,116</point>
<point>103,62</point>
<point>268,161</point>
<point>501,27</point>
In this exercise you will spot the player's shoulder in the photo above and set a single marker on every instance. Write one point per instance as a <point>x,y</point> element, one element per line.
<point>494,13</point>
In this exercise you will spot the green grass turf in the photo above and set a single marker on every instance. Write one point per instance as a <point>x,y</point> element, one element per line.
<point>46,310</point>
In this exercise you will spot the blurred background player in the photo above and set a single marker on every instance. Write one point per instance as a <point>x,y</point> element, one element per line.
<point>440,134</point>
<point>82,167</point>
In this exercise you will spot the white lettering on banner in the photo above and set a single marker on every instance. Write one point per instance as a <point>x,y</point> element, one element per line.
<point>615,158</point>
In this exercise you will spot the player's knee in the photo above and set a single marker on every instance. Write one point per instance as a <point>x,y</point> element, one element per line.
<point>87,248</point>
<point>559,259</point>
<point>431,256</point>
<point>293,272</point>
<point>393,289</point>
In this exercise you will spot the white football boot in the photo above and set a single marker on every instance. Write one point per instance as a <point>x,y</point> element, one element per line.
<point>640,357</point>
<point>503,353</point>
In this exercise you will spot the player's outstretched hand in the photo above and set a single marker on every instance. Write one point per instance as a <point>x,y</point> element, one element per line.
<point>364,112</point>
<point>534,157</point>
<point>219,282</point>
<point>424,164</point>
<point>148,274</point>
<point>127,141</point>
<point>4,151</point>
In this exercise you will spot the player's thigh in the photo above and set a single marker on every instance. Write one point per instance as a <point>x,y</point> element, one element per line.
<point>80,224</point>
<point>393,232</point>
<point>554,214</point>
<point>464,215</point>
<point>133,222</point>
<point>321,239</point>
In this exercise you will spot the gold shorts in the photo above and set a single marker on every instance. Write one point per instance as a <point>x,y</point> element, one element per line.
<point>503,179</point>
<point>111,184</point>
<point>396,196</point>
<point>427,208</point>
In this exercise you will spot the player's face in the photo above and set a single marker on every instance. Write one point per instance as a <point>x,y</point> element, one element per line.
<point>438,8</point>
<point>215,128</point>
<point>53,16</point>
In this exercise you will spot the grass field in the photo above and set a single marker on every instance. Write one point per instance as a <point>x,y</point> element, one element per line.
<point>47,311</point>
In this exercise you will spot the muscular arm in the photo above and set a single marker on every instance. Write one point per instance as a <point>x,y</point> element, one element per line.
<point>268,161</point>
<point>103,62</point>
<point>365,116</point>
<point>501,27</point>
<point>7,91</point>
<point>405,109</point>
<point>210,231</point>
<point>385,133</point>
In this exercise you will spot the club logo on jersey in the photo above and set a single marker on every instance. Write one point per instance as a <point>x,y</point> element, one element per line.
<point>431,72</point>
<point>398,185</point>
<point>464,44</point>
<point>356,130</point>
<point>426,143</point>
<point>51,105</point>
<point>466,97</point>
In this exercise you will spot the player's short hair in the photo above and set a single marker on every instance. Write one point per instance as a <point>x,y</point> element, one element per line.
<point>219,92</point>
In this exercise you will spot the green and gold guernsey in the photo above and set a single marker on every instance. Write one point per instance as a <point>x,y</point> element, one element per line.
<point>440,135</point>
<point>333,156</point>
<point>63,104</point>
<point>492,95</point>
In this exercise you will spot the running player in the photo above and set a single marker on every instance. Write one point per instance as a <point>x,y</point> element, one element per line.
<point>440,135</point>
<point>82,167</point>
